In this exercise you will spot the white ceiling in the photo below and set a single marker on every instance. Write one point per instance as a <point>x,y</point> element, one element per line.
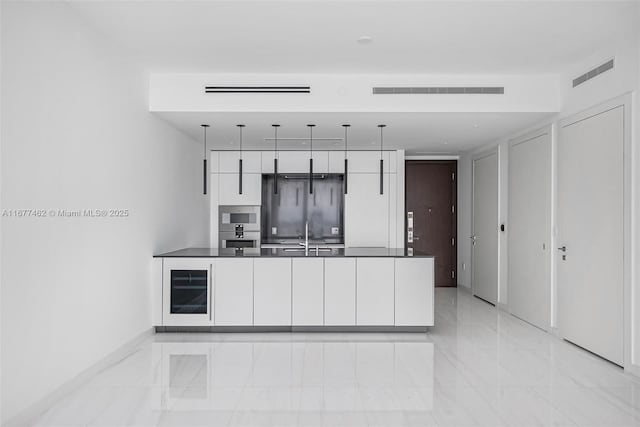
<point>320,36</point>
<point>314,36</point>
<point>418,133</point>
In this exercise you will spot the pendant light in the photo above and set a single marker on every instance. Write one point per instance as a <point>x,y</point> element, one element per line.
<point>311,158</point>
<point>275,160</point>
<point>381,161</point>
<point>346,162</point>
<point>240,162</point>
<point>204,161</point>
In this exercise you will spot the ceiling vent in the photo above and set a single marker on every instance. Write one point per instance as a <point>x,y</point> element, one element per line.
<point>494,90</point>
<point>257,89</point>
<point>592,73</point>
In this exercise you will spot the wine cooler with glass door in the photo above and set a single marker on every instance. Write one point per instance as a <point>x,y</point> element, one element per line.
<point>187,292</point>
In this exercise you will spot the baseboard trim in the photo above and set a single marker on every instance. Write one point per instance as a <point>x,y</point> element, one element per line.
<point>27,416</point>
<point>240,329</point>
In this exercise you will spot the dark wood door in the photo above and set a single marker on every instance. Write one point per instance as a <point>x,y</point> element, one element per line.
<point>430,195</point>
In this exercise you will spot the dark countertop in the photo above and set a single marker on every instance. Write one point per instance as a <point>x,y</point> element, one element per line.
<point>282,253</point>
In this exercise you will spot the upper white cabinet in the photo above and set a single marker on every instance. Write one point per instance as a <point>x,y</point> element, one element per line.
<point>340,291</point>
<point>272,292</point>
<point>308,291</point>
<point>369,162</point>
<point>414,291</point>
<point>214,161</point>
<point>228,162</point>
<point>375,291</point>
<point>336,161</point>
<point>366,211</point>
<point>229,185</point>
<point>393,212</point>
<point>296,162</point>
<point>233,291</point>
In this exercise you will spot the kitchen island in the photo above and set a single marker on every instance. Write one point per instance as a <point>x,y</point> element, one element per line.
<point>293,289</point>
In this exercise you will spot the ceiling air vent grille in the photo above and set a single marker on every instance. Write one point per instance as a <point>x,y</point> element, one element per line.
<point>494,90</point>
<point>257,89</point>
<point>592,73</point>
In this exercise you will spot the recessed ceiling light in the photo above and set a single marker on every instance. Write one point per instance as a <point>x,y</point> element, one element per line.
<point>445,143</point>
<point>476,125</point>
<point>365,40</point>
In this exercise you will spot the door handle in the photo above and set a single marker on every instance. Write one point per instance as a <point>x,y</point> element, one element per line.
<point>563,248</point>
<point>416,238</point>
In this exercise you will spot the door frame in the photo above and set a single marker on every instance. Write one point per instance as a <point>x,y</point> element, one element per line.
<point>629,316</point>
<point>494,149</point>
<point>452,160</point>
<point>551,238</point>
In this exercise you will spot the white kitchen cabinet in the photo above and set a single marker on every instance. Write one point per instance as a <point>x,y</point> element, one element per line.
<point>414,291</point>
<point>367,161</point>
<point>340,291</point>
<point>308,291</point>
<point>214,162</point>
<point>272,292</point>
<point>298,162</point>
<point>228,161</point>
<point>228,187</point>
<point>187,292</point>
<point>233,291</point>
<point>267,162</point>
<point>393,211</point>
<point>366,211</point>
<point>393,162</point>
<point>375,291</point>
<point>336,161</point>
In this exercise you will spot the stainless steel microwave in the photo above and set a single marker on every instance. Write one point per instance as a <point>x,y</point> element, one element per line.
<point>239,218</point>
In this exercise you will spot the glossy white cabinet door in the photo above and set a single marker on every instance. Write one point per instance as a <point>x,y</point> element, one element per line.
<point>393,212</point>
<point>184,319</point>
<point>298,162</point>
<point>340,291</point>
<point>308,291</point>
<point>228,161</point>
<point>367,161</point>
<point>233,291</point>
<point>267,162</point>
<point>414,291</point>
<point>228,187</point>
<point>336,161</point>
<point>366,211</point>
<point>214,162</point>
<point>272,292</point>
<point>375,291</point>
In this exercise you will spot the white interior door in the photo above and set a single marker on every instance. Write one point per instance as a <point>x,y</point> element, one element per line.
<point>484,246</point>
<point>529,229</point>
<point>590,227</point>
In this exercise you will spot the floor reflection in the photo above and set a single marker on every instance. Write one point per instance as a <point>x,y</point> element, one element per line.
<point>477,366</point>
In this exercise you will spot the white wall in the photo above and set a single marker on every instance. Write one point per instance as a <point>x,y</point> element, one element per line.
<point>76,133</point>
<point>464,220</point>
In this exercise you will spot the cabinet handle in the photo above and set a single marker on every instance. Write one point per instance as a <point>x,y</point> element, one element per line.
<point>210,292</point>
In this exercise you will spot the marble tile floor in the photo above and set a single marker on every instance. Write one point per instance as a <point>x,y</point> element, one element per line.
<point>477,367</point>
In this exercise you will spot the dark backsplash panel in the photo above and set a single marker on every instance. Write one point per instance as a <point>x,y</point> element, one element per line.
<point>293,206</point>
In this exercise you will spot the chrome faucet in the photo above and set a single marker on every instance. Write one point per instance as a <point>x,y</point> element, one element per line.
<point>305,245</point>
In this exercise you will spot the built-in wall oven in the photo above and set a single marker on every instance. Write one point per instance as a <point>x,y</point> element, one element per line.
<point>239,227</point>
